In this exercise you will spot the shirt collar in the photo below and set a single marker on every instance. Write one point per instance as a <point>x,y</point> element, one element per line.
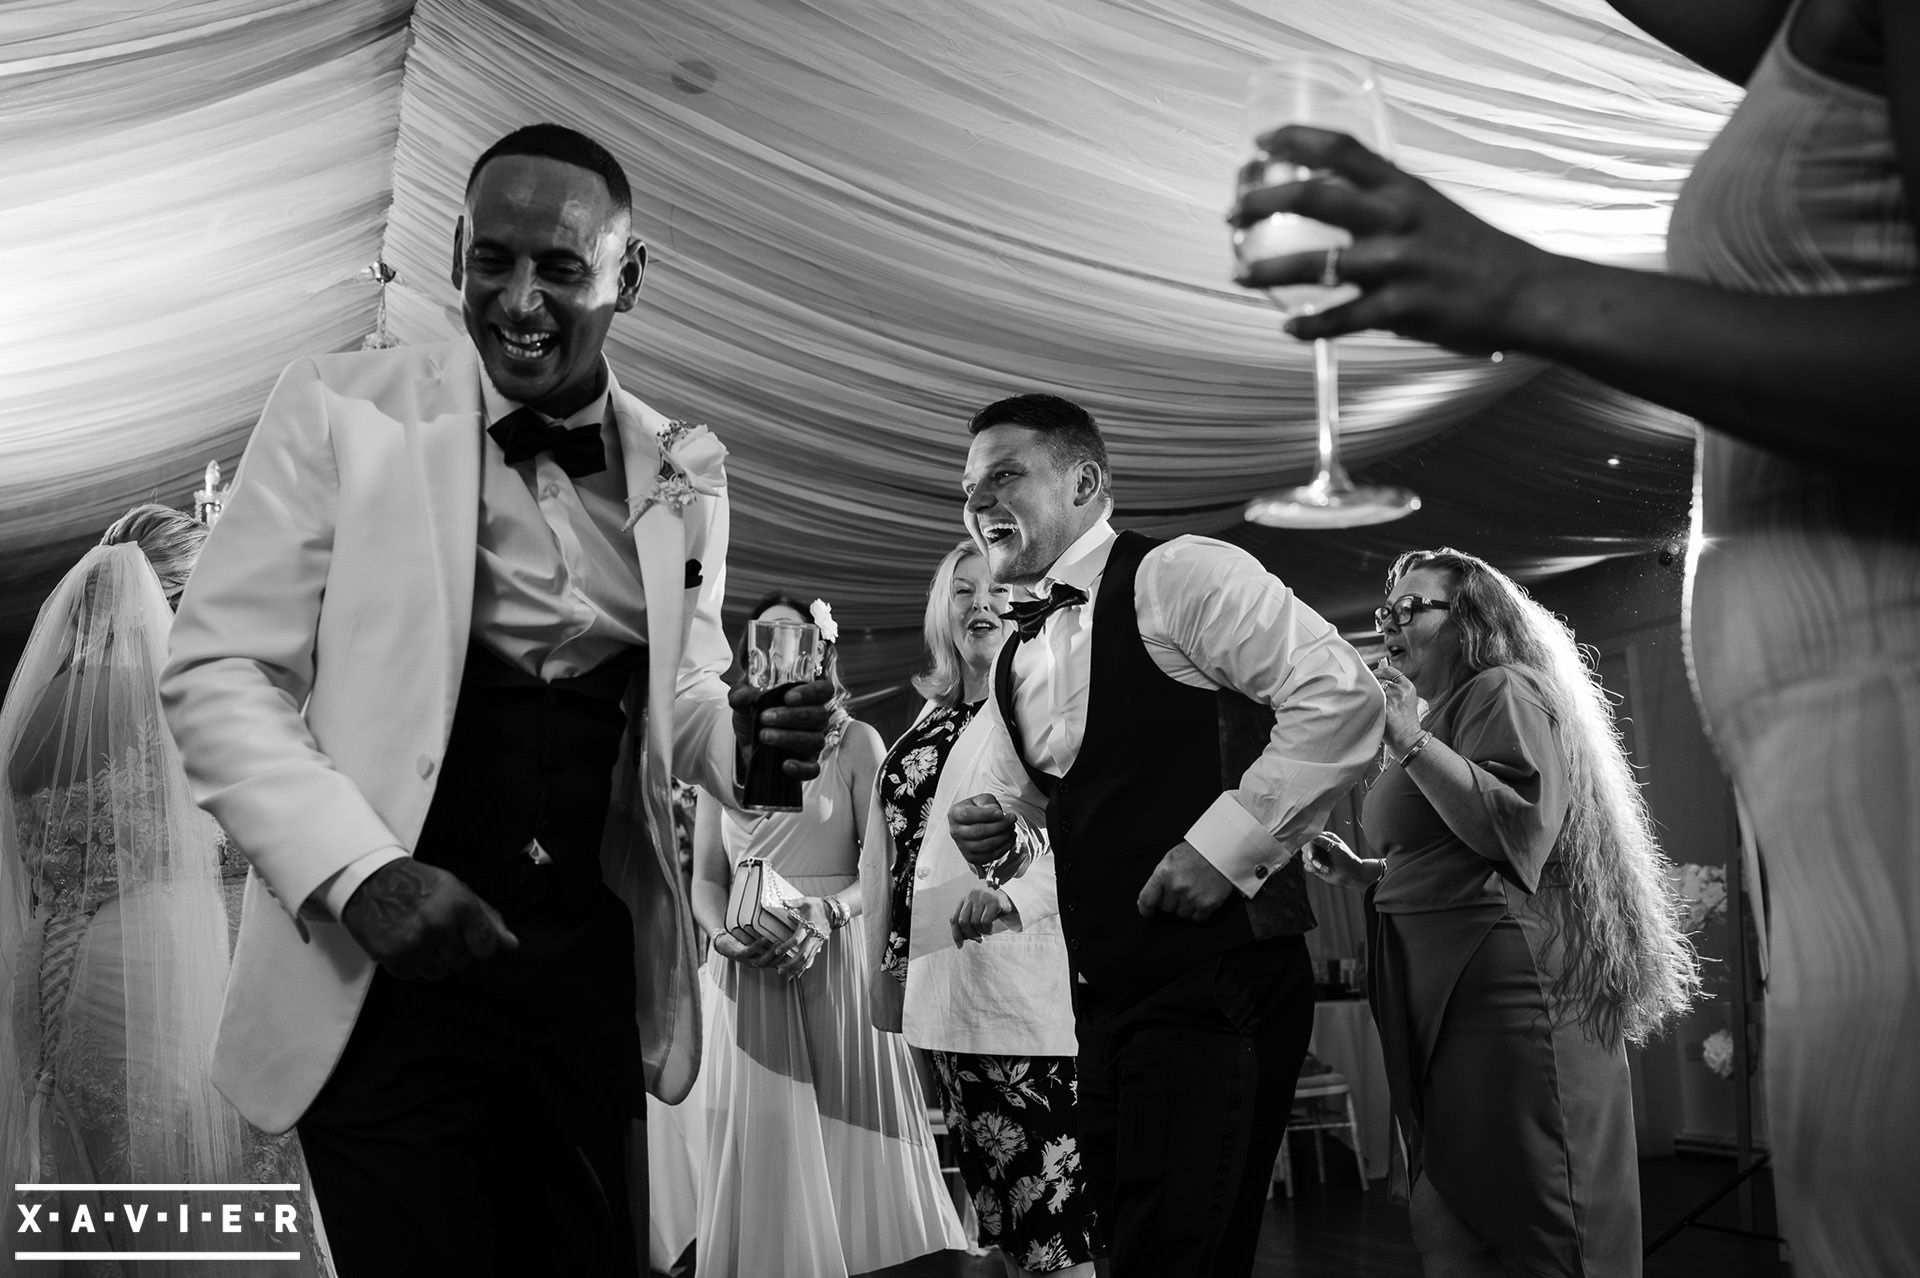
<point>595,411</point>
<point>1081,564</point>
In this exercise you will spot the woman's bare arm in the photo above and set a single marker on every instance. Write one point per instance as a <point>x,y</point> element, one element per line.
<point>1831,379</point>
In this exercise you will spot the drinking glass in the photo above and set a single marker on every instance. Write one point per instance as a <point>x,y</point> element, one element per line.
<point>1329,91</point>
<point>779,655</point>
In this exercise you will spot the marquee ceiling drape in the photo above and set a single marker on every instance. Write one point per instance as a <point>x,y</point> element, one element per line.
<point>866,218</point>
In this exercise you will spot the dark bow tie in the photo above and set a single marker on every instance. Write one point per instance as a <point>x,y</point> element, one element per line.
<point>1031,614</point>
<point>524,433</point>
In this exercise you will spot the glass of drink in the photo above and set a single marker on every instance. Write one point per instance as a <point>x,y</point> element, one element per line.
<point>1328,91</point>
<point>780,654</point>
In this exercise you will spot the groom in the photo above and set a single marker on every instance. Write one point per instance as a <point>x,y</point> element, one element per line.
<point>458,623</point>
<point>1187,723</point>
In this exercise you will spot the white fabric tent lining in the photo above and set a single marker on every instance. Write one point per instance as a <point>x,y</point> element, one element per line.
<point>866,220</point>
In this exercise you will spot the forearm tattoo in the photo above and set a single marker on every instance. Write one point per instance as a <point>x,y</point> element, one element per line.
<point>392,894</point>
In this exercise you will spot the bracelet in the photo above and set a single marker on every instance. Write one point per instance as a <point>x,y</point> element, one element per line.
<point>838,915</point>
<point>994,870</point>
<point>1413,751</point>
<point>1026,846</point>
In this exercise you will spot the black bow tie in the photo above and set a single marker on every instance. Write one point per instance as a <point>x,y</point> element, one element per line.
<point>1032,614</point>
<point>524,433</point>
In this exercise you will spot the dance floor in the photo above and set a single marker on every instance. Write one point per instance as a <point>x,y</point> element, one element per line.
<point>1335,1231</point>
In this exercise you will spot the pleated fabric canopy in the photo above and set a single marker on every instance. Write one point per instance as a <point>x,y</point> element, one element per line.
<point>866,219</point>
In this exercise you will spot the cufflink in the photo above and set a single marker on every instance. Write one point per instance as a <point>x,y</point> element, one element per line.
<point>694,577</point>
<point>1259,871</point>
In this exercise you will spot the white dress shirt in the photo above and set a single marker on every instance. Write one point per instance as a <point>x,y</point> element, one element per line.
<point>1211,617</point>
<point>556,581</point>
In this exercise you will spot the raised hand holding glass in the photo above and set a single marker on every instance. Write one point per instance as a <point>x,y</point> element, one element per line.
<point>1329,91</point>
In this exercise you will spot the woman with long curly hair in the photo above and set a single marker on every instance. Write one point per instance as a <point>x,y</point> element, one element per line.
<point>1522,930</point>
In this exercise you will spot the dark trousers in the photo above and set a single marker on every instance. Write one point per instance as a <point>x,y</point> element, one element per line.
<point>481,1124</point>
<point>1184,1096</point>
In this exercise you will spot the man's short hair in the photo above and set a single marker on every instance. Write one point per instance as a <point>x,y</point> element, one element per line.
<point>558,142</point>
<point>1072,434</point>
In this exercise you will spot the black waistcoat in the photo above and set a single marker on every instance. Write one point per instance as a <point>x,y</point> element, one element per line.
<point>1155,756</point>
<point>527,760</point>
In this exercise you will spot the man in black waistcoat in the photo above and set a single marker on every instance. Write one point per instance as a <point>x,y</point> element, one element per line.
<point>1188,724</point>
<point>457,625</point>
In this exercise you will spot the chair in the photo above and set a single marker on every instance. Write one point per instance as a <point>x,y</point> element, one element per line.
<point>1321,1103</point>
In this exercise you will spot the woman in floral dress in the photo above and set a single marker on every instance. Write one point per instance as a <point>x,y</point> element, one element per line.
<point>985,992</point>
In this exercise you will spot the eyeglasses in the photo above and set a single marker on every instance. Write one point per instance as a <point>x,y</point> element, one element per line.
<point>1401,611</point>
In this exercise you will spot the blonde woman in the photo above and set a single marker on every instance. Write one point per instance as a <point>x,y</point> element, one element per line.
<point>1522,931</point>
<point>988,996</point>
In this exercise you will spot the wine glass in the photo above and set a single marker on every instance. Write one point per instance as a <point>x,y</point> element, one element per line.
<point>1329,91</point>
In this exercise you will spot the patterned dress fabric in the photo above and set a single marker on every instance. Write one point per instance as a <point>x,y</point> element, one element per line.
<point>1804,635</point>
<point>1019,1153</point>
<point>906,788</point>
<point>819,1156</point>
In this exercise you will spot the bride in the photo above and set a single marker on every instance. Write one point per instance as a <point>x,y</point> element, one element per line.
<point>113,922</point>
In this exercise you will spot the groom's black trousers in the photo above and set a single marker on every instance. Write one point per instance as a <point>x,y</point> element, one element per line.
<point>478,1124</point>
<point>1184,1096</point>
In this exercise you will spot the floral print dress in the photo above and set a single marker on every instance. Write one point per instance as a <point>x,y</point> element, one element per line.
<point>1013,1117</point>
<point>907,780</point>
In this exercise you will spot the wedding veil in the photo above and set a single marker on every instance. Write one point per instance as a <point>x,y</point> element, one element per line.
<point>113,934</point>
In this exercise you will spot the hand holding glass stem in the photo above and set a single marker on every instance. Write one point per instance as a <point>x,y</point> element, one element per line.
<point>1340,92</point>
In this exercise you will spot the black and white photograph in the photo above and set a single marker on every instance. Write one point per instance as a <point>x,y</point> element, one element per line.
<point>1088,638</point>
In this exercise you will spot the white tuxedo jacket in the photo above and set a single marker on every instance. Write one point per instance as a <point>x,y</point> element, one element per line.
<point>315,666</point>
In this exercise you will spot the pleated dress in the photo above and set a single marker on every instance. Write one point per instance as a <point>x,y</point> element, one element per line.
<point>819,1157</point>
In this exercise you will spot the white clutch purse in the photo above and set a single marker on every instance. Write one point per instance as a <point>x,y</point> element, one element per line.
<point>761,905</point>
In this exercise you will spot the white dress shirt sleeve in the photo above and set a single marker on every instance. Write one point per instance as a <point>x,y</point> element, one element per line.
<point>1210,610</point>
<point>331,898</point>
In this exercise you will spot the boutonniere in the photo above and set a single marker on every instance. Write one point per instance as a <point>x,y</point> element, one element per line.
<point>692,462</point>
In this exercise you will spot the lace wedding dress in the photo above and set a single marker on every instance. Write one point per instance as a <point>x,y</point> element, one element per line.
<point>114,946</point>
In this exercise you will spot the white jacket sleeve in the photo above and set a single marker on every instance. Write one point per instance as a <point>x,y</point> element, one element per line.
<point>243,657</point>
